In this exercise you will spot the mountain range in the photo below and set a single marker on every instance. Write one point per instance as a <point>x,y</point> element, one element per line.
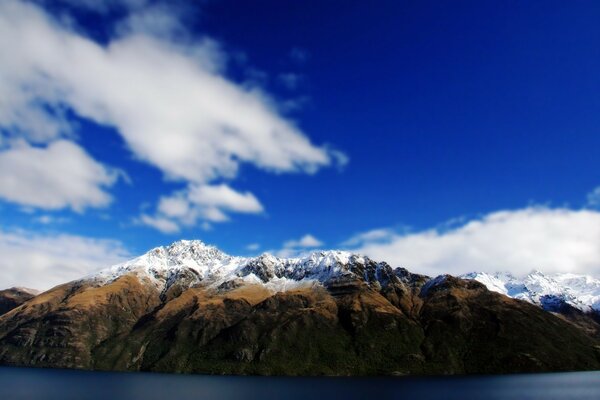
<point>548,291</point>
<point>189,307</point>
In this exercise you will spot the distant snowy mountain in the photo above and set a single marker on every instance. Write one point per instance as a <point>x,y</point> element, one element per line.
<point>548,291</point>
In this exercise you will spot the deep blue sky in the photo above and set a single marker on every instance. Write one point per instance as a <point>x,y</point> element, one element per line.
<point>445,110</point>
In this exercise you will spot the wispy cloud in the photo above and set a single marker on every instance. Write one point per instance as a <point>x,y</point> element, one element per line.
<point>290,80</point>
<point>253,246</point>
<point>593,198</point>
<point>299,55</point>
<point>306,241</point>
<point>372,236</point>
<point>50,219</point>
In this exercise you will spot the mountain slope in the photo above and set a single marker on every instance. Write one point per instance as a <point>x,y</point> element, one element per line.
<point>14,297</point>
<point>191,308</point>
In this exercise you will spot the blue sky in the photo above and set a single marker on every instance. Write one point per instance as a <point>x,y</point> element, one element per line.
<point>393,130</point>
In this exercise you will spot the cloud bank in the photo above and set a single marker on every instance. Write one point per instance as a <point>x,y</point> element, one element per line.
<point>42,261</point>
<point>550,239</point>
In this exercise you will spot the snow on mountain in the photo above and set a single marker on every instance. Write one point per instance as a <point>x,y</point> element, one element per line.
<point>161,262</point>
<point>194,262</point>
<point>163,265</point>
<point>548,291</point>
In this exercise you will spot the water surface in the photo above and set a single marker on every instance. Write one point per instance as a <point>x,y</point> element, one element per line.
<point>29,383</point>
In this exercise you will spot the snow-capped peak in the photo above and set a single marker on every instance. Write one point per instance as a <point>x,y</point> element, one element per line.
<point>547,290</point>
<point>204,259</point>
<point>163,265</point>
<point>195,250</point>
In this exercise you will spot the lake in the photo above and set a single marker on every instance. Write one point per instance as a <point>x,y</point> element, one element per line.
<point>28,383</point>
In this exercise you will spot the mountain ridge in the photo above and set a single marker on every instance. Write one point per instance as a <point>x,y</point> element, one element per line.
<point>579,291</point>
<point>209,266</point>
<point>218,268</point>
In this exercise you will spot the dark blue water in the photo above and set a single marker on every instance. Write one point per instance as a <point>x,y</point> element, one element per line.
<point>25,383</point>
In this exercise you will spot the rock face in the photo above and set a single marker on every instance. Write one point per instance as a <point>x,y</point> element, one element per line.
<point>14,297</point>
<point>192,308</point>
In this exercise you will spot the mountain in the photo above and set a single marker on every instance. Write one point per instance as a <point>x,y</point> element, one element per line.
<point>573,297</point>
<point>579,291</point>
<point>14,297</point>
<point>189,307</point>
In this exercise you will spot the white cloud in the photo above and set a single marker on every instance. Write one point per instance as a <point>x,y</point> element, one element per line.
<point>253,246</point>
<point>297,247</point>
<point>174,207</point>
<point>306,241</point>
<point>59,175</point>
<point>552,240</point>
<point>223,197</point>
<point>161,224</point>
<point>372,236</point>
<point>593,198</point>
<point>43,261</point>
<point>210,203</point>
<point>171,103</point>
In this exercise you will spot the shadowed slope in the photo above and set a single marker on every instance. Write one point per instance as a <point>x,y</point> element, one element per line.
<point>14,297</point>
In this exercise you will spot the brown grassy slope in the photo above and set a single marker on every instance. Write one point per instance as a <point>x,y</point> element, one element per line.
<point>350,328</point>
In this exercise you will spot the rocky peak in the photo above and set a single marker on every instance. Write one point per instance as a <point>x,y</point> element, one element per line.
<point>194,250</point>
